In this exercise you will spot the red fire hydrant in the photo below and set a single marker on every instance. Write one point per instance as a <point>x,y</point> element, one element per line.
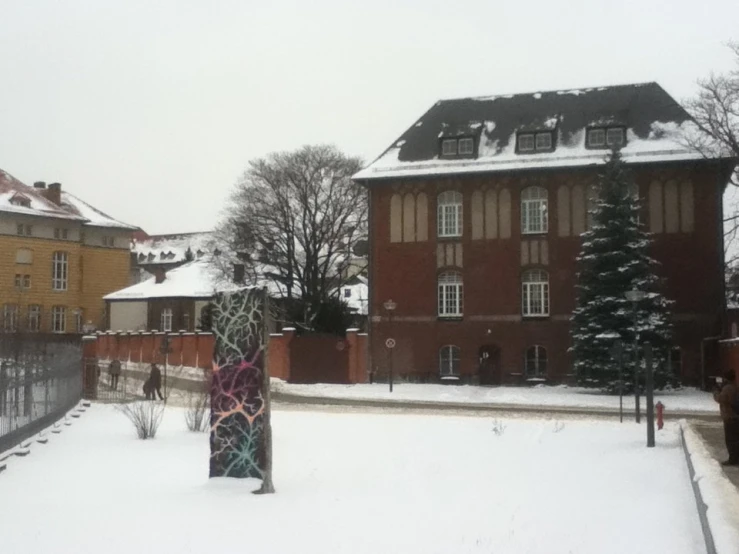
<point>660,415</point>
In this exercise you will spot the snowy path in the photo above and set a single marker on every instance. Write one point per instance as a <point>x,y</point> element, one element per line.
<point>356,483</point>
<point>682,401</point>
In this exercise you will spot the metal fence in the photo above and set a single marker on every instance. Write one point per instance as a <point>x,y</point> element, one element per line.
<point>40,380</point>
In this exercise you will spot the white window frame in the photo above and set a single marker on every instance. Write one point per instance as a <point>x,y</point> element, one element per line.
<point>540,361</point>
<point>535,293</point>
<point>534,211</point>
<point>523,142</point>
<point>549,141</point>
<point>466,146</point>
<point>60,271</point>
<point>34,317</point>
<point>26,282</point>
<point>165,320</point>
<point>449,356</point>
<point>10,318</point>
<point>78,320</point>
<point>449,147</point>
<point>59,319</point>
<point>449,214</point>
<point>450,295</point>
<point>612,131</point>
<point>598,133</point>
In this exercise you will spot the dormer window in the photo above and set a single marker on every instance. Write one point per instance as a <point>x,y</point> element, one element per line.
<point>458,147</point>
<point>606,137</point>
<point>20,200</point>
<point>535,142</point>
<point>466,146</point>
<point>449,147</point>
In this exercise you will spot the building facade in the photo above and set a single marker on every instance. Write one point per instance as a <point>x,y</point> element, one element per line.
<point>58,257</point>
<point>476,214</point>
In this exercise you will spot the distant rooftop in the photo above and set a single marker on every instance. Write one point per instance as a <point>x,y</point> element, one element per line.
<point>170,248</point>
<point>19,198</point>
<point>653,123</point>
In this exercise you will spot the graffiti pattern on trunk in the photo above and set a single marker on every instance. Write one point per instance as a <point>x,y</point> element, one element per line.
<point>237,405</point>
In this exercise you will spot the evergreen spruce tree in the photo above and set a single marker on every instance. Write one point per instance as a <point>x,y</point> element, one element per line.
<point>614,259</point>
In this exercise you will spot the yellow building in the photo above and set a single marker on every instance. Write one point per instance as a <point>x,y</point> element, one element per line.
<point>58,257</point>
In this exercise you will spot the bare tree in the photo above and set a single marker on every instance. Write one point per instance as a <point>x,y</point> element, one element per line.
<point>293,220</point>
<point>715,111</point>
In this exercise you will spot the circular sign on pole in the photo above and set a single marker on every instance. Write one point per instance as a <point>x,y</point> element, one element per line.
<point>390,343</point>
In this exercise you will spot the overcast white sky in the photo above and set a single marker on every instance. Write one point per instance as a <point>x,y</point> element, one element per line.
<point>150,110</point>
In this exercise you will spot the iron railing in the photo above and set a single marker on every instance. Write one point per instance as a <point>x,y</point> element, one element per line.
<point>40,380</point>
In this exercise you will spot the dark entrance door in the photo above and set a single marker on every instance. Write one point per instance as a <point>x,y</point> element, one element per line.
<point>489,365</point>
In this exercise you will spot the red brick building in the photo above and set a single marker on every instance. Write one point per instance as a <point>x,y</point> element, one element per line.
<point>475,223</point>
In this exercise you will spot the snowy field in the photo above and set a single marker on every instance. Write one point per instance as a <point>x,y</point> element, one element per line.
<point>356,483</point>
<point>684,400</point>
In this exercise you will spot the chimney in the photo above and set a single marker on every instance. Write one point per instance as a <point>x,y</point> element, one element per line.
<point>54,193</point>
<point>159,275</point>
<point>239,273</point>
<point>39,185</point>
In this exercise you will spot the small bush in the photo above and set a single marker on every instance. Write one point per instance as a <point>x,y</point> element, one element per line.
<point>197,411</point>
<point>146,415</point>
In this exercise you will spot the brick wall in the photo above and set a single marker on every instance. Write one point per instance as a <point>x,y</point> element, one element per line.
<point>187,349</point>
<point>691,262</point>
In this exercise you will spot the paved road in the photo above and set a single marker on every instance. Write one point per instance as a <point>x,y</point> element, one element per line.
<point>713,435</point>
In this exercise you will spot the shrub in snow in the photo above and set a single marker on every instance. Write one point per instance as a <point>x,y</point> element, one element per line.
<point>614,259</point>
<point>146,415</point>
<point>197,410</point>
<point>498,427</point>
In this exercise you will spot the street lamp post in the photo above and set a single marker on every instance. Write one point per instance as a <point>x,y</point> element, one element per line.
<point>635,296</point>
<point>390,306</point>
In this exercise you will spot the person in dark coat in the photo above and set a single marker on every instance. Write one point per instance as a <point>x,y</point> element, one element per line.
<point>155,382</point>
<point>728,400</point>
<point>114,369</point>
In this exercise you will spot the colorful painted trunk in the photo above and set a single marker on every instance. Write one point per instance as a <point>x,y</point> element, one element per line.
<point>237,418</point>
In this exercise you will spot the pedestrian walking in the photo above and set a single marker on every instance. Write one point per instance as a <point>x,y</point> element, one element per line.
<point>155,382</point>
<point>728,401</point>
<point>114,369</point>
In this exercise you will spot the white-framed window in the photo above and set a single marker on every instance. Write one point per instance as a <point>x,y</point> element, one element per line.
<point>466,146</point>
<point>449,214</point>
<point>166,319</point>
<point>543,141</point>
<point>347,293</point>
<point>22,282</point>
<point>34,317</point>
<point>24,230</point>
<point>449,147</point>
<point>108,241</point>
<point>534,210</point>
<point>615,136</point>
<point>536,361</point>
<point>596,138</point>
<point>59,271</point>
<point>526,142</point>
<point>449,361</point>
<point>59,319</point>
<point>535,293</point>
<point>61,233</point>
<point>450,294</point>
<point>10,318</point>
<point>78,320</point>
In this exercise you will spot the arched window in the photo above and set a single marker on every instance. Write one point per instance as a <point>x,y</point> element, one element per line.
<point>450,294</point>
<point>534,207</point>
<point>535,293</point>
<point>536,361</point>
<point>449,214</point>
<point>449,361</point>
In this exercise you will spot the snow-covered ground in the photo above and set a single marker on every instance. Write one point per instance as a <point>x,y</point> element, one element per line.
<point>684,400</point>
<point>356,483</point>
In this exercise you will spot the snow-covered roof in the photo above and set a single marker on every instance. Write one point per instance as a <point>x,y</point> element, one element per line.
<point>19,198</point>
<point>653,119</point>
<point>93,217</point>
<point>356,295</point>
<point>197,279</point>
<point>170,249</point>
<point>11,190</point>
